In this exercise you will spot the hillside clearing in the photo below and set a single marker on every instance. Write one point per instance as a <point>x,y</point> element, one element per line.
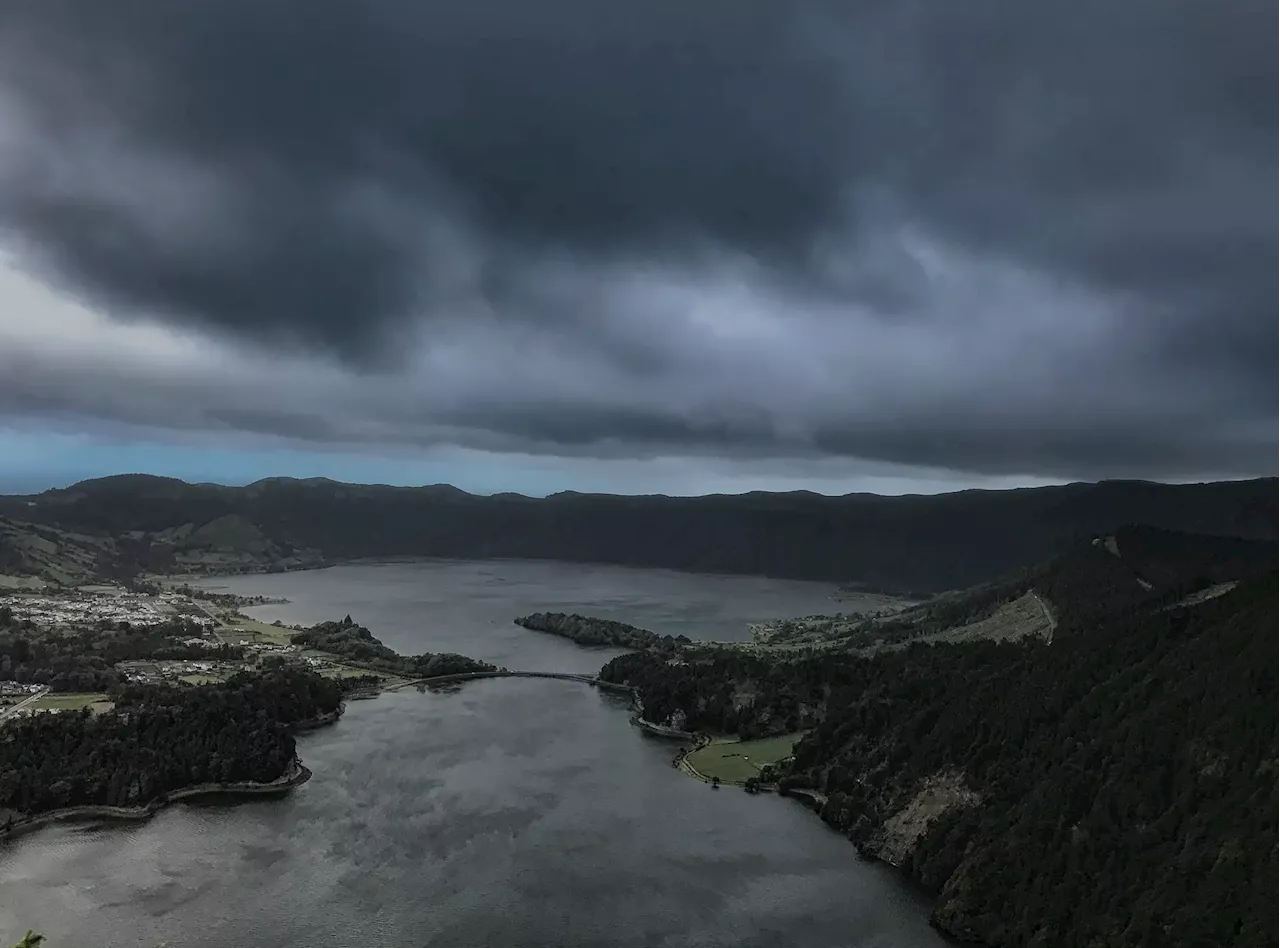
<point>736,761</point>
<point>70,701</point>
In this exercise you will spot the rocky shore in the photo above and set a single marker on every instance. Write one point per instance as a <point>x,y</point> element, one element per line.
<point>662,730</point>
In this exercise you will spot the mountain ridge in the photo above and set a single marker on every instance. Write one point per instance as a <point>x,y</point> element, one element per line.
<point>910,543</point>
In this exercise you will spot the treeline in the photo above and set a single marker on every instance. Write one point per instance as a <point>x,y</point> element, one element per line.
<point>1135,569</point>
<point>1117,787</point>
<point>585,630</point>
<point>726,690</point>
<point>229,600</point>
<point>82,658</point>
<point>358,645</point>
<point>159,739</point>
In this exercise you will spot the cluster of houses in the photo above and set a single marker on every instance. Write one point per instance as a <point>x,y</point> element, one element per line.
<point>170,670</point>
<point>79,608</point>
<point>13,689</point>
<point>13,699</point>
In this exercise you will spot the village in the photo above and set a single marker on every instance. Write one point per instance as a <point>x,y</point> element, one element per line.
<point>112,609</point>
<point>200,671</point>
<point>94,604</point>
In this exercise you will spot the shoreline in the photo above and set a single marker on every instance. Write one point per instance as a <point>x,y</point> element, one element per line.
<point>661,730</point>
<point>814,801</point>
<point>310,724</point>
<point>297,775</point>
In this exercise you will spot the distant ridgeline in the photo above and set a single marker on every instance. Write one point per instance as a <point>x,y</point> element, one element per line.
<point>585,630</point>
<point>119,526</point>
<point>1116,786</point>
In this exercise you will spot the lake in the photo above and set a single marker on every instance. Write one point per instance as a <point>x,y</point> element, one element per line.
<point>513,812</point>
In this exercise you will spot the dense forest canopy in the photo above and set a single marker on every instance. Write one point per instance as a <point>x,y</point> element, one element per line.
<point>587,630</point>
<point>355,643</point>
<point>157,739</point>
<point>1116,787</point>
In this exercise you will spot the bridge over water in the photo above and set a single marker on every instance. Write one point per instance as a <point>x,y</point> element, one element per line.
<point>471,676</point>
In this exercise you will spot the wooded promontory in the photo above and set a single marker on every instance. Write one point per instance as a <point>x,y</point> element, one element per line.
<point>586,630</point>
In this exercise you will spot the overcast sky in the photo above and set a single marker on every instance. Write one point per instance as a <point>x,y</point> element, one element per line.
<point>664,246</point>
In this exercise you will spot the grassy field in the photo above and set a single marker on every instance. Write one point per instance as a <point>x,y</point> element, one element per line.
<point>254,631</point>
<point>73,700</point>
<point>348,671</point>
<point>1020,618</point>
<point>735,762</point>
<point>201,679</point>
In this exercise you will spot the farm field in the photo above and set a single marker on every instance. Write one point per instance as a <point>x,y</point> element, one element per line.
<point>736,761</point>
<point>68,701</point>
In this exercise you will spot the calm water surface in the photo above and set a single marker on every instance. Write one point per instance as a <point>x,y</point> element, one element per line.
<point>468,607</point>
<point>519,812</point>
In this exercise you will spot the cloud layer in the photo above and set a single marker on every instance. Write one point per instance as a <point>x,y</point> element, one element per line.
<point>1007,239</point>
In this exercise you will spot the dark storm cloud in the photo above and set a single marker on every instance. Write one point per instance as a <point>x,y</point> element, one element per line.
<point>641,127</point>
<point>535,178</point>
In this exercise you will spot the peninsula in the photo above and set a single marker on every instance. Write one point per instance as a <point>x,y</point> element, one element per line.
<point>113,705</point>
<point>159,744</point>
<point>587,630</point>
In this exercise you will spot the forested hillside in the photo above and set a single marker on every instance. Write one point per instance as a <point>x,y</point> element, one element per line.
<point>925,543</point>
<point>1115,787</point>
<point>32,554</point>
<point>159,739</point>
<point>1134,568</point>
<point>357,644</point>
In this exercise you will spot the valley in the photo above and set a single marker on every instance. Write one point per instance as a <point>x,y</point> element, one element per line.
<point>998,744</point>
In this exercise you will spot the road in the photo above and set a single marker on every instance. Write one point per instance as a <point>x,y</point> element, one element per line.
<point>1048,615</point>
<point>36,696</point>
<point>216,622</point>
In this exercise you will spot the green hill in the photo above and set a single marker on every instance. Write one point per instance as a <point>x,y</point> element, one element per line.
<point>34,555</point>
<point>1131,568</point>
<point>1115,786</point>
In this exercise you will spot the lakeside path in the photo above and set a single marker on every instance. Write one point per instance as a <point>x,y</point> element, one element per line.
<point>298,774</point>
